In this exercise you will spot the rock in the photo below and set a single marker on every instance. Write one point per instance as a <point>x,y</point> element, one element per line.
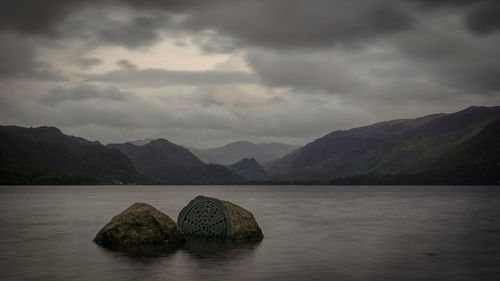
<point>140,224</point>
<point>212,219</point>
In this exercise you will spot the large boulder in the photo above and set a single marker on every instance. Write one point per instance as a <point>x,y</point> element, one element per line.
<point>212,219</point>
<point>140,224</point>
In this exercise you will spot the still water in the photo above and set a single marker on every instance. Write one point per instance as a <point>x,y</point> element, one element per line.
<point>311,233</point>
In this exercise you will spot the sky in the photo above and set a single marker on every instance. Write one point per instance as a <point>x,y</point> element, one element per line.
<point>205,73</point>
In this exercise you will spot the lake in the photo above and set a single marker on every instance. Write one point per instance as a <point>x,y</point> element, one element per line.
<point>310,233</point>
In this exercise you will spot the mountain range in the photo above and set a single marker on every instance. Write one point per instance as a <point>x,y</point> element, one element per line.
<point>45,155</point>
<point>236,151</point>
<point>250,170</point>
<point>461,147</point>
<point>457,148</point>
<point>166,162</point>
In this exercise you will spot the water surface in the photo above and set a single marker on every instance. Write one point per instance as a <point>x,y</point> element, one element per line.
<point>311,233</point>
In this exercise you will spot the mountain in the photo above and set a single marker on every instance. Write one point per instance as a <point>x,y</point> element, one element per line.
<point>476,160</point>
<point>45,155</point>
<point>235,151</point>
<point>430,146</point>
<point>140,142</point>
<point>457,148</point>
<point>249,169</point>
<point>170,163</point>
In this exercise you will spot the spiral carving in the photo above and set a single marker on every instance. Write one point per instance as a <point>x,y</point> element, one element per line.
<point>204,219</point>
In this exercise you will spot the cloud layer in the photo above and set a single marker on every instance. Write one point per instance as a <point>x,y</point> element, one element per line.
<point>207,72</point>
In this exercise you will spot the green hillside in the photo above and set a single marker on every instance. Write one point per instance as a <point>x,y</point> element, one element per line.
<point>45,155</point>
<point>399,147</point>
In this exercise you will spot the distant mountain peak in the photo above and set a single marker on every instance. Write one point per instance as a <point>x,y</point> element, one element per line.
<point>45,129</point>
<point>241,142</point>
<point>249,169</point>
<point>248,160</point>
<point>235,151</point>
<point>165,161</point>
<point>48,129</point>
<point>478,107</point>
<point>161,141</point>
<point>158,141</point>
<point>140,142</point>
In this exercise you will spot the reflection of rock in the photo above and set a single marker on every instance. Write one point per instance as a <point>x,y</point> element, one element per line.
<point>145,250</point>
<point>140,224</point>
<point>209,249</point>
<point>210,218</point>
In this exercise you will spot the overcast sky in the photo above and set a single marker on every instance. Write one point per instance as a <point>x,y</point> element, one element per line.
<point>204,73</point>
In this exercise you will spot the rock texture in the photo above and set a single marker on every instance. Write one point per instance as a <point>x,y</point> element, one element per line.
<point>242,224</point>
<point>212,219</point>
<point>140,224</point>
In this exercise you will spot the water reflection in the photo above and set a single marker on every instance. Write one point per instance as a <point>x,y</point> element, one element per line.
<point>203,249</point>
<point>312,233</point>
<point>198,249</point>
<point>143,250</point>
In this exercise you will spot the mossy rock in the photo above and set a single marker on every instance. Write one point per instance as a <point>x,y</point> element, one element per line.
<point>208,218</point>
<point>140,224</point>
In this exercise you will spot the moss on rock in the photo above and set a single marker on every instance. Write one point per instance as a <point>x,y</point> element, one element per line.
<point>242,223</point>
<point>140,224</point>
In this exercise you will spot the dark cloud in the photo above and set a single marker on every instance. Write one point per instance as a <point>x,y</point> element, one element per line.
<point>281,23</point>
<point>481,16</point>
<point>445,3</point>
<point>60,19</point>
<point>135,33</point>
<point>354,62</point>
<point>152,78</point>
<point>86,63</point>
<point>17,56</point>
<point>18,60</point>
<point>455,60</point>
<point>234,96</point>
<point>484,18</point>
<point>81,93</point>
<point>473,79</point>
<point>304,72</point>
<point>430,44</point>
<point>35,17</point>
<point>295,24</point>
<point>125,64</point>
<point>45,17</point>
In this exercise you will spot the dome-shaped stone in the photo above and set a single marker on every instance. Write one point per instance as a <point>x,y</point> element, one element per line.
<point>212,219</point>
<point>140,224</point>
